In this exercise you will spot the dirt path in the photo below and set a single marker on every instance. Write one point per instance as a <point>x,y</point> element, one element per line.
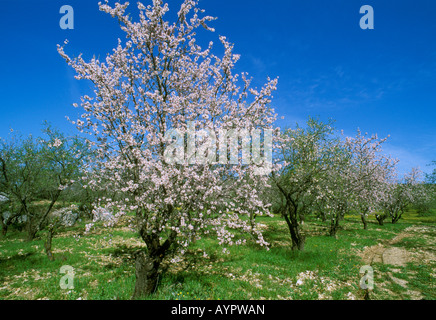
<point>385,253</point>
<point>397,256</point>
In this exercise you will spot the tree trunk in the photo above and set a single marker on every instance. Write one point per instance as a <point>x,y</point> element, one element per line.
<point>3,225</point>
<point>298,239</point>
<point>365,223</point>
<point>48,243</point>
<point>334,225</point>
<point>333,230</point>
<point>146,275</point>
<point>147,264</point>
<point>290,213</point>
<point>381,218</point>
<point>35,224</point>
<point>323,217</point>
<point>396,217</point>
<point>252,219</point>
<point>31,230</point>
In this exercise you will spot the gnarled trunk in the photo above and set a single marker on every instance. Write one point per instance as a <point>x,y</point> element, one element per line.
<point>148,263</point>
<point>380,218</point>
<point>396,217</point>
<point>298,239</point>
<point>147,274</point>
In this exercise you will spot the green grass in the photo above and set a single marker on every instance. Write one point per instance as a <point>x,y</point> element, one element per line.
<point>328,268</point>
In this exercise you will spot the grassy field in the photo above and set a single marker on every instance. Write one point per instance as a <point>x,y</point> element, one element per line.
<point>402,256</point>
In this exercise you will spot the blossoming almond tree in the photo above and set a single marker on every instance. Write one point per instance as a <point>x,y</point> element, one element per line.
<point>400,193</point>
<point>368,170</point>
<point>356,178</point>
<point>157,80</point>
<point>334,200</point>
<point>306,156</point>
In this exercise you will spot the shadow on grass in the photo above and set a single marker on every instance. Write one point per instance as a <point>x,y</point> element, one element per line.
<point>127,253</point>
<point>17,258</point>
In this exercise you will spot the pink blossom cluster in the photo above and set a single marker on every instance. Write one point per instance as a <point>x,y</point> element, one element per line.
<point>157,80</point>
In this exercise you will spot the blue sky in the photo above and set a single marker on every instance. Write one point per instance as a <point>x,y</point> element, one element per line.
<point>382,80</point>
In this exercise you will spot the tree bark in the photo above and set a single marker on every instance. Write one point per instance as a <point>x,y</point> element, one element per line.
<point>147,275</point>
<point>147,264</point>
<point>31,230</point>
<point>3,225</point>
<point>334,225</point>
<point>380,218</point>
<point>290,214</point>
<point>252,219</point>
<point>298,239</point>
<point>365,223</point>
<point>396,217</point>
<point>48,243</point>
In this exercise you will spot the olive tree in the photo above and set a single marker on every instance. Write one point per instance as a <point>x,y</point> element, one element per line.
<point>36,171</point>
